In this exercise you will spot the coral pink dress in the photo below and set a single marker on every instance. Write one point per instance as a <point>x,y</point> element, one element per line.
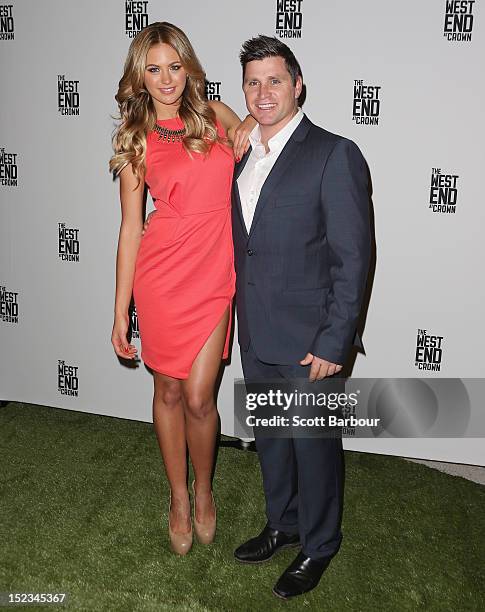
<point>184,274</point>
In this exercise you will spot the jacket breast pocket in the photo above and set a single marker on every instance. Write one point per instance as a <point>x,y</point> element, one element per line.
<point>296,199</point>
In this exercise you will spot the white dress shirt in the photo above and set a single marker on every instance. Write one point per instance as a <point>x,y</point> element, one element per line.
<point>259,165</point>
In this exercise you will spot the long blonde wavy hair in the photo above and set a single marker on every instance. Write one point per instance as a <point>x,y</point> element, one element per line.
<point>137,111</point>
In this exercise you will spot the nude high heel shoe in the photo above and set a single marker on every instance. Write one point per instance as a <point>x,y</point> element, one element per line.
<point>180,543</point>
<point>205,532</point>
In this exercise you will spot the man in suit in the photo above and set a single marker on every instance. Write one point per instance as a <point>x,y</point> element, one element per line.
<point>302,247</point>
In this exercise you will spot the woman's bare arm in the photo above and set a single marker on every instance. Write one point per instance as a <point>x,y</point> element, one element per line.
<point>130,234</point>
<point>237,131</point>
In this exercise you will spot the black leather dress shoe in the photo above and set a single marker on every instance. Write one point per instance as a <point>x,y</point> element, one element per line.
<point>301,576</point>
<point>264,546</point>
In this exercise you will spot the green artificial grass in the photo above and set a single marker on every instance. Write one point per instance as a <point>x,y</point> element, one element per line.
<point>83,501</point>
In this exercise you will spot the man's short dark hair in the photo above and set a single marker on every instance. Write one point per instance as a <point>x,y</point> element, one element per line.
<point>260,47</point>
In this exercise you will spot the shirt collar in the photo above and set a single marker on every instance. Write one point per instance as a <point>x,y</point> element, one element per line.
<point>280,138</point>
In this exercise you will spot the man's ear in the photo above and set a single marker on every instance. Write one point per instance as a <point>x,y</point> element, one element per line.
<point>298,86</point>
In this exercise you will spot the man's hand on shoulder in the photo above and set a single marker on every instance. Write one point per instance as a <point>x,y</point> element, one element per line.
<point>320,368</point>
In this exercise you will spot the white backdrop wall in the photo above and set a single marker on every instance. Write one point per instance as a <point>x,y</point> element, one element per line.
<point>420,68</point>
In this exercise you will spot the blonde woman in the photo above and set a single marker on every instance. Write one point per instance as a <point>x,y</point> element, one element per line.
<point>181,271</point>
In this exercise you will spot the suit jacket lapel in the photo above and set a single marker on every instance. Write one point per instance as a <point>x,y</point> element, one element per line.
<point>237,197</point>
<point>287,155</point>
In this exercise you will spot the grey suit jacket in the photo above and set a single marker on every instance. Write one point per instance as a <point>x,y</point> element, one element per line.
<point>302,269</point>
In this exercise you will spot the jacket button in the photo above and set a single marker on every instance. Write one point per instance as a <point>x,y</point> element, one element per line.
<point>250,252</point>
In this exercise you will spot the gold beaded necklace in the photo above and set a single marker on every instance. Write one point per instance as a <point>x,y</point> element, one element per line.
<point>169,135</point>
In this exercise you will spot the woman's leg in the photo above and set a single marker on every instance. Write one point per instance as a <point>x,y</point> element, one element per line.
<point>169,424</point>
<point>201,415</point>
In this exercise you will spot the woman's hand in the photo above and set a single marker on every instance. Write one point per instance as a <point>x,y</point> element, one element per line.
<point>237,131</point>
<point>241,137</point>
<point>118,338</point>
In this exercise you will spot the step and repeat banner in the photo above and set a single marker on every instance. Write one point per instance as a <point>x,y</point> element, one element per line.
<point>402,81</point>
